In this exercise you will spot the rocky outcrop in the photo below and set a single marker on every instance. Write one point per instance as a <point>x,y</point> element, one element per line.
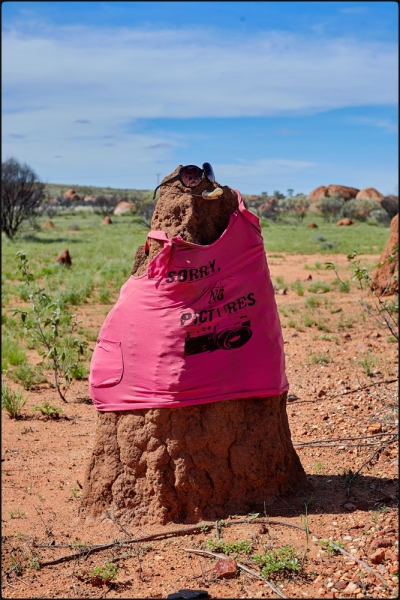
<point>391,205</point>
<point>348,193</point>
<point>48,225</point>
<point>268,208</point>
<point>383,281</point>
<point>369,194</point>
<point>124,207</point>
<point>106,221</point>
<point>71,195</point>
<point>317,194</point>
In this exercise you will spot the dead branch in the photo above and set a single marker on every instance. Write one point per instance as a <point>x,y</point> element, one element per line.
<point>362,437</point>
<point>365,463</point>
<point>118,524</point>
<point>196,528</point>
<point>243,567</point>
<point>364,564</point>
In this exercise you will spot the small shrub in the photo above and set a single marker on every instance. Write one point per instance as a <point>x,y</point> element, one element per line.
<point>27,376</point>
<point>308,321</point>
<point>12,401</point>
<point>313,302</point>
<point>368,363</point>
<point>379,217</point>
<point>319,287</point>
<point>319,358</point>
<point>104,573</point>
<point>297,287</point>
<point>323,327</point>
<point>285,559</point>
<point>48,410</point>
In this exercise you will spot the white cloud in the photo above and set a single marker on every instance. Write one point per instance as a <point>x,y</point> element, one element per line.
<point>146,74</point>
<point>387,125</point>
<point>72,92</point>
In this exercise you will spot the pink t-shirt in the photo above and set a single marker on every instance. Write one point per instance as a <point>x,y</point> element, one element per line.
<point>201,325</point>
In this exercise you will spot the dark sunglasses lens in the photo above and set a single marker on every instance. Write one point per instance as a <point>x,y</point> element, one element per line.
<point>208,172</point>
<point>191,176</point>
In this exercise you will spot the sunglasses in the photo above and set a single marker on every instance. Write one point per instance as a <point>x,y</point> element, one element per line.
<point>191,176</point>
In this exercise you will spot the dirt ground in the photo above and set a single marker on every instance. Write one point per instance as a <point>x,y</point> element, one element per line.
<point>339,416</point>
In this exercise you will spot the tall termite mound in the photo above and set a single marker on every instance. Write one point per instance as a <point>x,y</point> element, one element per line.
<point>196,462</point>
<point>384,281</point>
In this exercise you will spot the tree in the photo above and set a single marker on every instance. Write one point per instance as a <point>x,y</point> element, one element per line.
<point>105,206</point>
<point>21,195</point>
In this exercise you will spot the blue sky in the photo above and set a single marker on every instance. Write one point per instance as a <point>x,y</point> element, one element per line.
<point>275,95</point>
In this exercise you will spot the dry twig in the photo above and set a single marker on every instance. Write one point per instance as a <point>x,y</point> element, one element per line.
<point>364,564</point>
<point>196,528</point>
<point>369,460</point>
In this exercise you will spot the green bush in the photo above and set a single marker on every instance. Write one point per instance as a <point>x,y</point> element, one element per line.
<point>331,207</point>
<point>359,210</point>
<point>27,376</point>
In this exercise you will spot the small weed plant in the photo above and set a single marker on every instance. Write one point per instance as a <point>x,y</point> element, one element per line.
<point>52,332</point>
<point>48,410</point>
<point>284,560</point>
<point>319,358</point>
<point>319,287</point>
<point>297,287</point>
<point>16,514</point>
<point>239,547</point>
<point>368,362</point>
<point>329,547</point>
<point>12,401</point>
<point>382,309</point>
<point>104,574</point>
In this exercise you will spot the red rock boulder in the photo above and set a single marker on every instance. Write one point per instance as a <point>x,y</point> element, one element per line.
<point>345,222</point>
<point>106,221</point>
<point>348,193</point>
<point>317,194</point>
<point>369,194</point>
<point>71,195</point>
<point>391,205</point>
<point>124,207</point>
<point>48,225</point>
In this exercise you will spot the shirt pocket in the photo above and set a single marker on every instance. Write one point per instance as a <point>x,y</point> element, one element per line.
<point>107,365</point>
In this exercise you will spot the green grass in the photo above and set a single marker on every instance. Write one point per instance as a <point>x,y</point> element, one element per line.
<point>11,353</point>
<point>319,286</point>
<point>319,358</point>
<point>11,401</point>
<point>299,239</point>
<point>239,547</point>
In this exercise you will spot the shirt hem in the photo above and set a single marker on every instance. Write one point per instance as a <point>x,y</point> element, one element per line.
<point>148,404</point>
